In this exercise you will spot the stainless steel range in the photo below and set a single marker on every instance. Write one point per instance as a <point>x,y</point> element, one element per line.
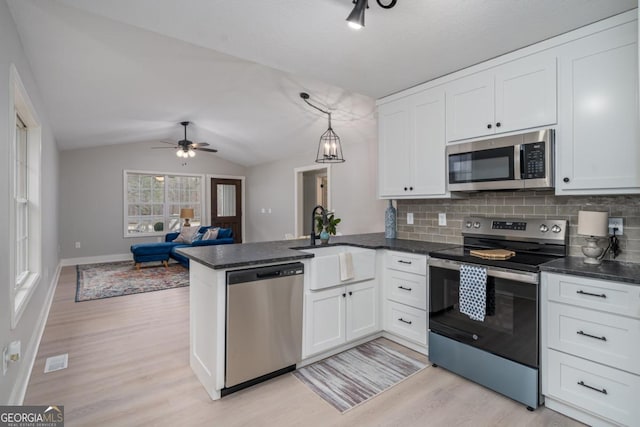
<point>484,321</point>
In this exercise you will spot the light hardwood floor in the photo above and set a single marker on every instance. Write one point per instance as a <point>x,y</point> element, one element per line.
<point>129,366</point>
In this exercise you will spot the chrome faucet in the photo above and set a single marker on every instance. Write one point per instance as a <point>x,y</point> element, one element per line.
<point>323,212</point>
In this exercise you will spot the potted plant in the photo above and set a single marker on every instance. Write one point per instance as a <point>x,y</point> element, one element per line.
<point>326,226</point>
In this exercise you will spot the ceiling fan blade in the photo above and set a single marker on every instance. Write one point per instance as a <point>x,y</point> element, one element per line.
<point>210,150</point>
<point>157,148</point>
<point>200,144</point>
<point>167,141</point>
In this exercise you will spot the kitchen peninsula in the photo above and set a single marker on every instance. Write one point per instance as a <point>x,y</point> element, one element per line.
<point>386,257</point>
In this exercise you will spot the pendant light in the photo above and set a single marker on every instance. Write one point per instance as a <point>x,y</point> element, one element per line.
<point>356,17</point>
<point>329,147</point>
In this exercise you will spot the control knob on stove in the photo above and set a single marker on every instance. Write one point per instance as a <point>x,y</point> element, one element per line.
<point>556,229</point>
<point>476,224</point>
<point>544,228</point>
<point>468,224</point>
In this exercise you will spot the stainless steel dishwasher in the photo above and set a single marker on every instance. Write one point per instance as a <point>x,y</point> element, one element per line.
<point>264,324</point>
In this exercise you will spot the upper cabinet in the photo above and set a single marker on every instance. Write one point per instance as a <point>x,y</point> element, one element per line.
<point>411,147</point>
<point>598,150</point>
<point>517,95</point>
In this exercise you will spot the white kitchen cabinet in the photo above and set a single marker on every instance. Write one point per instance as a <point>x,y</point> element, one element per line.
<point>412,146</point>
<point>406,297</point>
<point>597,143</point>
<point>590,339</point>
<point>338,315</point>
<point>514,96</point>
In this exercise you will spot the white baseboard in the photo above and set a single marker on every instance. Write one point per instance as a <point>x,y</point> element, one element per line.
<point>24,374</point>
<point>96,259</point>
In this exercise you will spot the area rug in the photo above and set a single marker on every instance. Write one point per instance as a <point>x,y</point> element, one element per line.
<point>352,377</point>
<point>114,279</point>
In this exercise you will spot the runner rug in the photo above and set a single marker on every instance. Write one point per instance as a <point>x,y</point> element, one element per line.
<point>350,378</point>
<point>114,279</point>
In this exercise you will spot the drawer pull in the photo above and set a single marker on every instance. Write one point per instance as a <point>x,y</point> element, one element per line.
<point>404,289</point>
<point>591,336</point>
<point>401,261</point>
<point>408,322</point>
<point>581,292</point>
<point>603,391</point>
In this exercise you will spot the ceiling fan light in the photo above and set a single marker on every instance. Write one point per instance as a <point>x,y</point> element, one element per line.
<point>179,153</point>
<point>191,153</point>
<point>356,17</point>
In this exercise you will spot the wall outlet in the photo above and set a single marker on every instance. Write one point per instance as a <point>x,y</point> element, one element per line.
<point>442,219</point>
<point>615,223</point>
<point>77,245</point>
<point>410,218</point>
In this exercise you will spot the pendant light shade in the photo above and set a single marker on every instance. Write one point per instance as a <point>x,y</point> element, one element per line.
<point>329,147</point>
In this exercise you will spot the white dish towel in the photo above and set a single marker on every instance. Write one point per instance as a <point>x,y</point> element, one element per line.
<point>473,291</point>
<point>346,266</point>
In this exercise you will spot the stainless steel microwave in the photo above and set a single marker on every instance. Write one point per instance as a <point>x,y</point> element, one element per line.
<point>522,161</point>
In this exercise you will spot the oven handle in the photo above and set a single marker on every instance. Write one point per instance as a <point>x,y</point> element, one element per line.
<point>518,276</point>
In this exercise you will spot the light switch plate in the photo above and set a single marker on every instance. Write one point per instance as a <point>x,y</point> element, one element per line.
<point>442,219</point>
<point>410,218</point>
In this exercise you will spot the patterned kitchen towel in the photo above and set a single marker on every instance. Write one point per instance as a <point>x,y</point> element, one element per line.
<point>473,291</point>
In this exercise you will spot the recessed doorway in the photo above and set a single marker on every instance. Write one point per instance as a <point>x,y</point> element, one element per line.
<point>312,187</point>
<point>226,205</point>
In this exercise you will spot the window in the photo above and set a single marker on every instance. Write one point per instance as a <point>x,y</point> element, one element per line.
<point>153,202</point>
<point>25,233</point>
<point>21,203</point>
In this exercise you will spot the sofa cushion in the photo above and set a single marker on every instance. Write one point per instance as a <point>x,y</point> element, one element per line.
<point>224,233</point>
<point>187,234</point>
<point>211,233</point>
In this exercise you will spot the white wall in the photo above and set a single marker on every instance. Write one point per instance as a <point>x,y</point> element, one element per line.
<point>91,192</point>
<point>27,329</point>
<point>353,192</point>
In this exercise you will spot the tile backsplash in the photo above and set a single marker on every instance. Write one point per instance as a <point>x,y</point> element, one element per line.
<point>520,204</point>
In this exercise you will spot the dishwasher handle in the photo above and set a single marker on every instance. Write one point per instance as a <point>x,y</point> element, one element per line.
<point>268,275</point>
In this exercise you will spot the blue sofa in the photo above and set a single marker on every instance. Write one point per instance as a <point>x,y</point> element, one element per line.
<point>162,251</point>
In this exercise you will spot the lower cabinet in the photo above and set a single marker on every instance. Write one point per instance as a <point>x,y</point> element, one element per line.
<point>338,315</point>
<point>405,297</point>
<point>590,341</point>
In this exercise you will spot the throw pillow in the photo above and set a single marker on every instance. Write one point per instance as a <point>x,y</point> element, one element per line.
<point>211,234</point>
<point>186,235</point>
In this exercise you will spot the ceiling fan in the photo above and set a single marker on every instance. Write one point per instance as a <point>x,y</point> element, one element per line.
<point>186,148</point>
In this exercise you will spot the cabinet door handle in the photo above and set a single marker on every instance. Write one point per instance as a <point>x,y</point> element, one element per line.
<point>581,292</point>
<point>350,293</point>
<point>403,288</point>
<point>489,126</point>
<point>603,391</point>
<point>401,261</point>
<point>566,179</point>
<point>405,188</point>
<point>498,124</point>
<point>408,322</point>
<point>344,295</point>
<point>591,336</point>
<point>410,188</point>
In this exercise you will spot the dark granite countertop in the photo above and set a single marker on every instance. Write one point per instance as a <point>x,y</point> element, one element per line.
<point>221,257</point>
<point>608,270</point>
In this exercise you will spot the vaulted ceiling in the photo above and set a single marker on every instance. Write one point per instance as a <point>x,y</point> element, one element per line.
<point>121,71</point>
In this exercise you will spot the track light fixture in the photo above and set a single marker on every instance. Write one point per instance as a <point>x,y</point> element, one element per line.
<point>356,17</point>
<point>329,147</point>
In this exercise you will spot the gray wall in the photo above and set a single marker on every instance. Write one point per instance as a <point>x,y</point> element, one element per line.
<point>11,52</point>
<point>91,192</point>
<point>525,204</point>
<point>353,187</point>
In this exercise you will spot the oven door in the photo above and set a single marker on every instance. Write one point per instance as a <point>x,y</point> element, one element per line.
<point>510,327</point>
